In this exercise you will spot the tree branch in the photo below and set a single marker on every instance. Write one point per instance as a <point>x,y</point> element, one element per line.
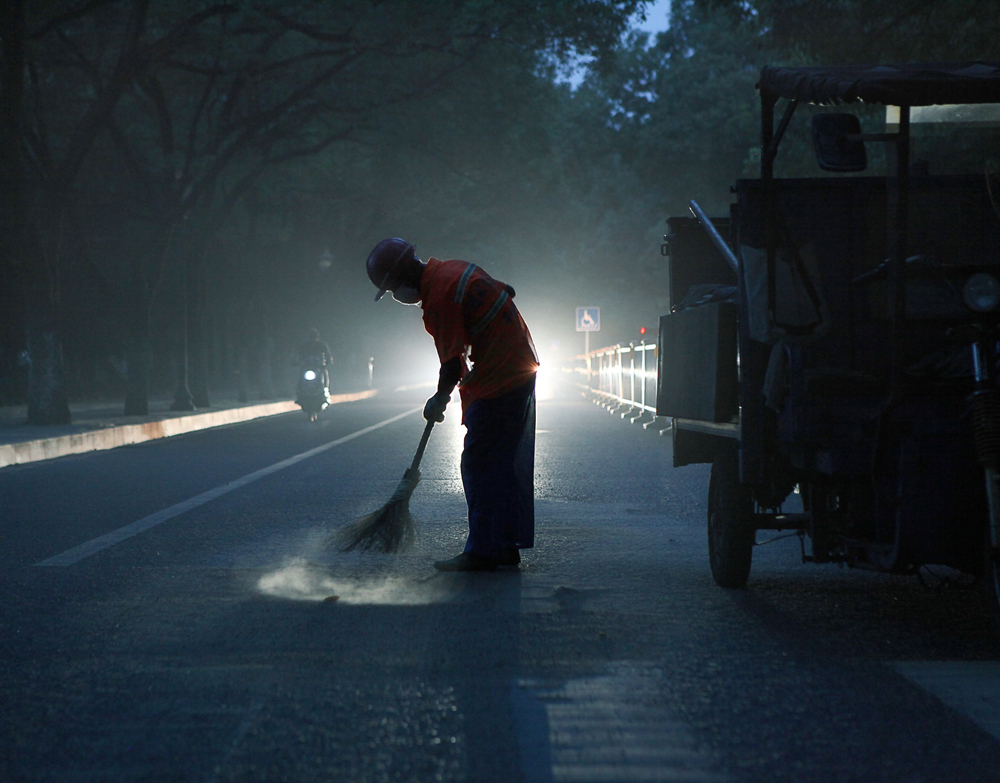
<point>58,21</point>
<point>99,111</point>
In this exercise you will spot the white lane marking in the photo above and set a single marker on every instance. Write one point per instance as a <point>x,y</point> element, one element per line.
<point>969,687</point>
<point>88,548</point>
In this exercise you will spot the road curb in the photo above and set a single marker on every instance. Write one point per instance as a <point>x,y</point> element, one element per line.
<point>128,434</point>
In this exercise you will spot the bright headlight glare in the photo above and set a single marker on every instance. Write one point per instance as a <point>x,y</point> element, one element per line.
<point>981,292</point>
<point>310,375</point>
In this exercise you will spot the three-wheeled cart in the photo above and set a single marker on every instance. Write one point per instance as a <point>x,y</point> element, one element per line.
<point>839,336</point>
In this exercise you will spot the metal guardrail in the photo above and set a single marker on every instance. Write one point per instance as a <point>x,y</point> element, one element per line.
<point>622,378</point>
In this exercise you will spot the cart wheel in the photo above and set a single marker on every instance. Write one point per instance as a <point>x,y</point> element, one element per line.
<point>731,532</point>
<point>991,578</point>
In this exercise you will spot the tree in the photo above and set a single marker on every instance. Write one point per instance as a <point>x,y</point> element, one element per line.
<point>846,32</point>
<point>202,101</point>
<point>55,160</point>
<point>13,212</point>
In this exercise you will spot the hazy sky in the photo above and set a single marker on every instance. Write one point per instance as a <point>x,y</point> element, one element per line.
<point>657,20</point>
<point>657,17</point>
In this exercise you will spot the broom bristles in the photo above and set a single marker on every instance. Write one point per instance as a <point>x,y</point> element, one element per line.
<point>391,529</point>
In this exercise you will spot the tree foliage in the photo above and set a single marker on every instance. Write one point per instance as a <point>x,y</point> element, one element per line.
<point>845,32</point>
<point>141,127</point>
<point>243,156</point>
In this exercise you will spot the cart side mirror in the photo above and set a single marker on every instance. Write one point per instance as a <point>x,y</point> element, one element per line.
<point>834,151</point>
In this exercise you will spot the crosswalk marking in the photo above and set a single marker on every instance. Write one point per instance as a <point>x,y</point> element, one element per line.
<point>969,687</point>
<point>604,729</point>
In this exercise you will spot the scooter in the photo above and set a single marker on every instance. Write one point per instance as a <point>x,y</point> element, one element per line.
<point>312,393</point>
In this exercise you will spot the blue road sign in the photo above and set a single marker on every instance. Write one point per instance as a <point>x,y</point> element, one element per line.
<point>588,319</point>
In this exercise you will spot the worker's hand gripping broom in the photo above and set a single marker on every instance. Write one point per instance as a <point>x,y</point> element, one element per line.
<point>391,528</point>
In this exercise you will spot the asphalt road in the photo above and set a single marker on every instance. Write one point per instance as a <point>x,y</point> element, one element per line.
<point>202,647</point>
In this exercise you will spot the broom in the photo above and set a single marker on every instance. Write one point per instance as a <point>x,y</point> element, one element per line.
<point>391,528</point>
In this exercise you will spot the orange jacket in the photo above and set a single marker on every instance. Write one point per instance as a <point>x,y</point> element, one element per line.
<point>473,316</point>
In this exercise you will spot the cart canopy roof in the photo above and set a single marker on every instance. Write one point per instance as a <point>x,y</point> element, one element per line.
<point>911,84</point>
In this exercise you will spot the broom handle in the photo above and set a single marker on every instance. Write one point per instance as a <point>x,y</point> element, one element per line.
<point>420,449</point>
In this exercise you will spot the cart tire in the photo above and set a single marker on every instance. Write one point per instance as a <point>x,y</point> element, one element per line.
<point>731,533</point>
<point>991,579</point>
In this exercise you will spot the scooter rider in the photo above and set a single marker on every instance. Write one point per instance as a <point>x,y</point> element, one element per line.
<point>315,350</point>
<point>472,317</point>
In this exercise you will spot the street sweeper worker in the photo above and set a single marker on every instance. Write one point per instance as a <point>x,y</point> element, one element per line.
<point>474,321</point>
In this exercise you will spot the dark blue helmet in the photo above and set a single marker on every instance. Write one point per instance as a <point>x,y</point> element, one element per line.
<point>386,263</point>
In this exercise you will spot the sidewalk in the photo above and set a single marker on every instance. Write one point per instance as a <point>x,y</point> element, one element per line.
<point>102,425</point>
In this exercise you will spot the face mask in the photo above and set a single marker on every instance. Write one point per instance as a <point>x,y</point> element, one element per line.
<point>406,295</point>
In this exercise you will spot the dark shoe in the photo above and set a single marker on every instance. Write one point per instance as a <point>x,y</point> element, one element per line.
<point>511,557</point>
<point>467,562</point>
